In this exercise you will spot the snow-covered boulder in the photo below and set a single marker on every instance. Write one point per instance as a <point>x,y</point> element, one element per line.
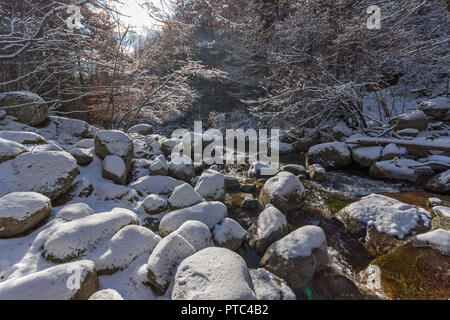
<point>154,204</point>
<point>329,155</point>
<point>295,169</point>
<point>210,213</point>
<point>269,287</point>
<point>23,137</point>
<point>116,143</point>
<point>110,191</point>
<point>127,244</point>
<point>317,172</point>
<point>260,170</point>
<point>161,185</point>
<point>184,196</point>
<point>85,144</point>
<point>441,218</point>
<point>438,239</point>
<point>409,132</point>
<point>21,211</point>
<point>72,127</point>
<point>83,156</point>
<point>69,281</point>
<point>106,294</point>
<point>415,120</point>
<point>211,185</point>
<point>2,114</point>
<point>114,169</point>
<point>271,226</point>
<point>164,260</point>
<point>143,129</point>
<point>181,168</point>
<point>159,167</point>
<point>439,183</point>
<point>82,188</point>
<point>49,173</point>
<point>27,107</point>
<point>437,109</point>
<point>296,257</point>
<point>47,147</point>
<point>10,149</point>
<point>213,273</point>
<point>390,152</point>
<point>74,211</point>
<point>229,234</point>
<point>168,145</point>
<point>389,216</point>
<point>70,239</point>
<point>196,233</point>
<point>366,156</point>
<point>401,170</point>
<point>285,191</point>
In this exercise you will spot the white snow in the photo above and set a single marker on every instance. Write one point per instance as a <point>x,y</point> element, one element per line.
<point>438,239</point>
<point>73,127</point>
<point>213,274</point>
<point>196,233</point>
<point>48,284</point>
<point>269,287</point>
<point>211,185</point>
<point>387,215</point>
<point>336,147</point>
<point>260,169</point>
<point>228,229</point>
<point>106,294</point>
<point>300,243</point>
<point>270,221</point>
<point>85,144</point>
<point>442,210</point>
<point>10,149</point>
<point>155,185</point>
<point>154,204</point>
<point>21,205</point>
<point>22,137</point>
<point>117,142</point>
<point>283,186</point>
<point>184,196</point>
<point>74,211</point>
<point>107,191</point>
<point>210,213</point>
<point>70,239</point>
<point>114,165</point>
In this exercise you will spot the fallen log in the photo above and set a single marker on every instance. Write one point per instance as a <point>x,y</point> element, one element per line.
<point>442,145</point>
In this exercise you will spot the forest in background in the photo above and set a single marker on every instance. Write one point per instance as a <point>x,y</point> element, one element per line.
<point>290,63</point>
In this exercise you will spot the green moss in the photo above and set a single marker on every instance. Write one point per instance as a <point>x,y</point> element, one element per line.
<point>337,205</point>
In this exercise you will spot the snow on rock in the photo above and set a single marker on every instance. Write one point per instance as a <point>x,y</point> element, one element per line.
<point>114,169</point>
<point>295,169</point>
<point>390,152</point>
<point>50,173</point>
<point>155,204</point>
<point>441,218</point>
<point>159,167</point>
<point>296,257</point>
<point>55,283</point>
<point>181,168</point>
<point>438,108</point>
<point>340,131</point>
<point>211,185</point>
<point>213,274</point>
<point>23,137</point>
<point>10,149</point>
<point>259,169</point>
<point>284,191</point>
<point>271,226</point>
<point>27,107</point>
<point>401,170</point>
<point>196,233</point>
<point>269,287</point>
<point>229,234</point>
<point>165,258</point>
<point>74,211</point>
<point>317,172</point>
<point>21,211</point>
<point>438,239</point>
<point>439,163</point>
<point>71,239</point>
<point>143,129</point>
<point>46,147</point>
<point>210,213</point>
<point>387,215</point>
<point>73,127</point>
<point>416,119</point>
<point>83,156</point>
<point>184,196</point>
<point>366,156</point>
<point>161,185</point>
<point>439,183</point>
<point>329,155</point>
<point>127,244</point>
<point>109,191</point>
<point>85,144</point>
<point>114,142</point>
<point>106,294</point>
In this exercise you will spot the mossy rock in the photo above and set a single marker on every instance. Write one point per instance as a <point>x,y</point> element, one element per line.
<point>411,273</point>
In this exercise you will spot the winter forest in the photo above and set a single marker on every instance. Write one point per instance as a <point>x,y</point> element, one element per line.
<point>224,150</point>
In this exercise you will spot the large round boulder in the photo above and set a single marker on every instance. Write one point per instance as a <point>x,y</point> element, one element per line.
<point>114,142</point>
<point>10,149</point>
<point>27,107</point>
<point>329,155</point>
